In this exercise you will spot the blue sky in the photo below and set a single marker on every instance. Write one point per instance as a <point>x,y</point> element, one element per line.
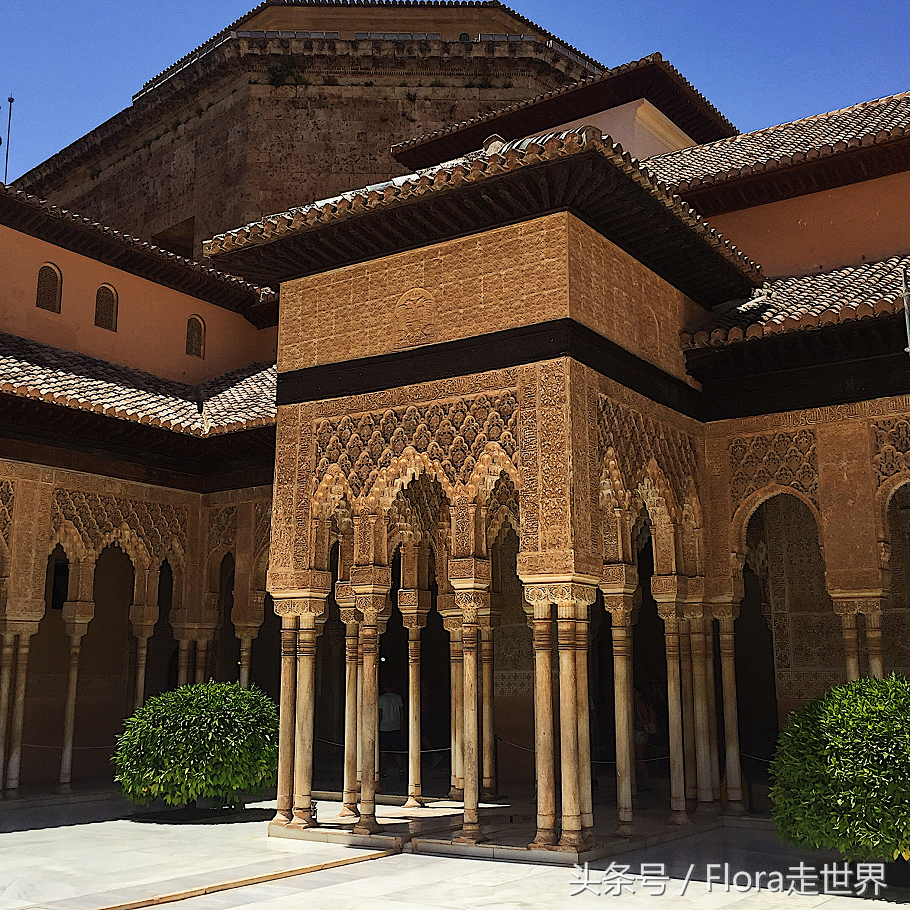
<point>72,64</point>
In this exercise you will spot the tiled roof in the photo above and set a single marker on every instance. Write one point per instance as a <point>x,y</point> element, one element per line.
<point>808,302</point>
<point>866,124</point>
<point>496,159</point>
<point>60,226</point>
<point>706,110</point>
<point>237,400</point>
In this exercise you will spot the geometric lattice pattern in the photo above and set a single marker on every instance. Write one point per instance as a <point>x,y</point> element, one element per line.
<point>787,459</point>
<point>6,510</point>
<point>453,433</point>
<point>892,448</point>
<point>96,516</point>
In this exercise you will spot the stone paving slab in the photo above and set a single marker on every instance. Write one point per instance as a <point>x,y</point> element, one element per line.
<point>130,864</point>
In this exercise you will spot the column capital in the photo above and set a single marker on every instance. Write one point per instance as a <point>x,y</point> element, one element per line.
<point>373,607</point>
<point>619,578</point>
<point>344,595</point>
<point>670,593</point>
<point>850,603</point>
<point>301,604</point>
<point>469,573</point>
<point>561,593</point>
<point>473,605</point>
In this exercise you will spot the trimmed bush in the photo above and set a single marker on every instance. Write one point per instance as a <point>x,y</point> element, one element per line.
<point>212,740</point>
<point>842,771</point>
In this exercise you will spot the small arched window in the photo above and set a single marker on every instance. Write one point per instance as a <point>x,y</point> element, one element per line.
<point>50,284</point>
<point>195,337</point>
<point>106,308</point>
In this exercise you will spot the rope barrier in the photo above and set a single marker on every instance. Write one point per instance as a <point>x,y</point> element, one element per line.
<point>329,742</point>
<point>60,748</point>
<point>593,762</point>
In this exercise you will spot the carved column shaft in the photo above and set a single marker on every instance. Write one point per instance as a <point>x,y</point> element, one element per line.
<point>688,710</point>
<point>202,648</point>
<point>457,696</point>
<point>304,721</point>
<point>851,645</point>
<point>183,661</point>
<point>544,746</point>
<point>414,733</point>
<point>702,724</point>
<point>622,662</point>
<point>584,722</point>
<point>489,734</point>
<point>6,667</point>
<point>69,716</point>
<point>15,757</point>
<point>142,649</point>
<point>369,637</point>
<point>674,712</point>
<point>731,719</point>
<point>246,650</point>
<point>711,698</point>
<point>470,758</point>
<point>286,719</point>
<point>352,638</point>
<point>874,644</point>
<point>568,727</point>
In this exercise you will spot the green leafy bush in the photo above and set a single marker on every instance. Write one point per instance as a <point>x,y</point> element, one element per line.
<point>842,771</point>
<point>213,740</point>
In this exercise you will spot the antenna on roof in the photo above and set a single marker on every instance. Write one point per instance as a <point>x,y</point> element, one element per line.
<point>9,123</point>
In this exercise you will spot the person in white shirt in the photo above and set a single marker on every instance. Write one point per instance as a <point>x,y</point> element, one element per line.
<point>391,710</point>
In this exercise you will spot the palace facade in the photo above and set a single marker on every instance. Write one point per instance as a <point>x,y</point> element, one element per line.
<point>518,428</point>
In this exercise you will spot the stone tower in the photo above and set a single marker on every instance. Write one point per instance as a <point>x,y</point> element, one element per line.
<point>296,101</point>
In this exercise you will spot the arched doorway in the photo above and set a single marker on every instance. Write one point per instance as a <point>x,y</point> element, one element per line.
<point>896,616</point>
<point>224,655</point>
<point>161,667</point>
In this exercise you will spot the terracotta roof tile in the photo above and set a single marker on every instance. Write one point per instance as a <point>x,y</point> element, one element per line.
<point>807,302</point>
<point>495,159</point>
<point>869,123</point>
<point>237,400</point>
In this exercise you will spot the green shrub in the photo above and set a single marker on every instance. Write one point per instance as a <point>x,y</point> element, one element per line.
<point>213,740</point>
<point>841,775</point>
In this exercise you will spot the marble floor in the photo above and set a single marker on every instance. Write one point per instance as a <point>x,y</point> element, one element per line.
<point>129,863</point>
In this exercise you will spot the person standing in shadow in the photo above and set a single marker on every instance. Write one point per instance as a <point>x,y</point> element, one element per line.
<point>391,710</point>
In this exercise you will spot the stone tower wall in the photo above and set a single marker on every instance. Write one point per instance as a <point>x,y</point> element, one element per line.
<point>257,125</point>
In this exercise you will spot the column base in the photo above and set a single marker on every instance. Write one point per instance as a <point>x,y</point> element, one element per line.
<point>281,819</point>
<point>678,817</point>
<point>735,807</point>
<point>708,810</point>
<point>571,840</point>
<point>469,834</point>
<point>489,793</point>
<point>303,818</point>
<point>587,835</point>
<point>349,810</point>
<point>367,825</point>
<point>625,829</point>
<point>545,837</point>
<point>456,794</point>
<point>65,787</point>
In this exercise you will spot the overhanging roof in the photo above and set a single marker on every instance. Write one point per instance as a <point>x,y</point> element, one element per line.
<point>652,78</point>
<point>63,228</point>
<point>578,171</point>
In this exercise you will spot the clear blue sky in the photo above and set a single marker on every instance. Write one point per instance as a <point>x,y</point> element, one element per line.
<point>71,64</point>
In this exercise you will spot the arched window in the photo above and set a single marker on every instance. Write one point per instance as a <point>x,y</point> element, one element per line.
<point>106,308</point>
<point>195,337</point>
<point>50,284</point>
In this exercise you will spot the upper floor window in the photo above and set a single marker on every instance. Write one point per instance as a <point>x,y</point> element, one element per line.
<point>195,337</point>
<point>50,284</point>
<point>106,308</point>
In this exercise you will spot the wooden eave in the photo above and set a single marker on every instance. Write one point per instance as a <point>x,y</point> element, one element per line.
<point>585,184</point>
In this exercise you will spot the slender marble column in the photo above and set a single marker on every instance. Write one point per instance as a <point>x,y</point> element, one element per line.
<point>702,724</point>
<point>711,697</point>
<point>688,712</point>
<point>457,689</point>
<point>874,644</point>
<point>202,647</point>
<point>369,636</point>
<point>625,761</point>
<point>414,786</point>
<point>543,726</point>
<point>359,709</point>
<point>489,734</point>
<point>304,732</point>
<point>142,650</point>
<point>183,661</point>
<point>246,650</point>
<point>584,723</point>
<point>69,717</point>
<point>470,832</point>
<point>568,728</point>
<point>851,646</point>
<point>286,713</point>
<point>6,667</point>
<point>731,718</point>
<point>352,638</point>
<point>674,710</point>
<point>15,757</point>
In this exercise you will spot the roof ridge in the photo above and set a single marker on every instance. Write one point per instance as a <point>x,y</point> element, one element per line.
<point>740,137</point>
<point>655,57</point>
<point>52,210</point>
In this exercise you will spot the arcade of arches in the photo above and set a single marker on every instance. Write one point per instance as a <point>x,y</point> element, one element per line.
<point>517,550</point>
